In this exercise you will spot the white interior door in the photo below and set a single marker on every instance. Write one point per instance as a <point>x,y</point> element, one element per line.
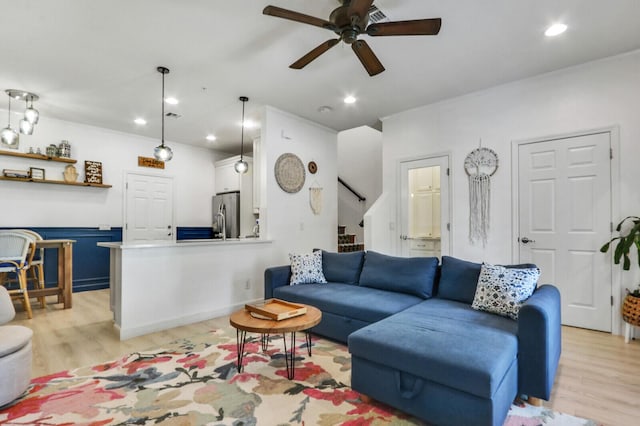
<point>564,196</point>
<point>148,208</point>
<point>424,207</point>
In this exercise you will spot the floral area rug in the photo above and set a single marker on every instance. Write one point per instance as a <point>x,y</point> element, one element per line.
<point>195,382</point>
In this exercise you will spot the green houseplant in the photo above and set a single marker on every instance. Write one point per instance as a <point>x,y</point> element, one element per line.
<point>631,304</point>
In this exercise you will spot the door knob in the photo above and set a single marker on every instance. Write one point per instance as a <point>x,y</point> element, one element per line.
<point>526,240</point>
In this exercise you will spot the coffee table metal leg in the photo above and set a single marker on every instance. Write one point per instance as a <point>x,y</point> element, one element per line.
<point>264,340</point>
<point>240,338</point>
<point>290,357</point>
<point>308,342</point>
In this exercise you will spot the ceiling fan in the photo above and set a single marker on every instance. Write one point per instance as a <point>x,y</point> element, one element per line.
<point>348,22</point>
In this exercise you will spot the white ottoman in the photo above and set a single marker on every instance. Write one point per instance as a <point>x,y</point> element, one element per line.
<point>15,362</point>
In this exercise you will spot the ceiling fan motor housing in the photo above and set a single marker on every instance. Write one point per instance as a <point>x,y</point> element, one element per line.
<point>348,28</point>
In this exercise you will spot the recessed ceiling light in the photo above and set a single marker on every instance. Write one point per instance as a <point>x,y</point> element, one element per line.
<point>171,101</point>
<point>140,121</point>
<point>350,100</point>
<point>211,138</point>
<point>555,29</point>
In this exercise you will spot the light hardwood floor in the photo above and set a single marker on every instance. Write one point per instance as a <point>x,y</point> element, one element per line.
<point>598,377</point>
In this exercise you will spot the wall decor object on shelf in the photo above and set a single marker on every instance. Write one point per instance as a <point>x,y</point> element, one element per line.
<point>313,167</point>
<point>150,162</point>
<point>480,164</point>
<point>36,173</point>
<point>290,173</point>
<point>93,172</point>
<point>70,173</point>
<point>64,149</point>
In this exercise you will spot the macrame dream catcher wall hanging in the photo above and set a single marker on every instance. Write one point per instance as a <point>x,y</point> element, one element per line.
<point>480,165</point>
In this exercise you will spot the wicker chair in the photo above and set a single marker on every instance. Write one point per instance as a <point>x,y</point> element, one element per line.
<point>14,252</point>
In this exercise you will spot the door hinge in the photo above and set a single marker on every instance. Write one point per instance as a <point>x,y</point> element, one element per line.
<point>611,300</point>
<point>127,185</point>
<point>126,226</point>
<point>611,226</point>
<point>448,227</point>
<point>448,171</point>
<point>611,153</point>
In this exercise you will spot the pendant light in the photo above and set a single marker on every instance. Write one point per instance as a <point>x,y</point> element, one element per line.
<point>31,114</point>
<point>241,166</point>
<point>26,126</point>
<point>8,136</point>
<point>163,152</point>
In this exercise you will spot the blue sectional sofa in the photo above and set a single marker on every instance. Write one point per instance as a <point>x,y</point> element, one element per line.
<point>416,342</point>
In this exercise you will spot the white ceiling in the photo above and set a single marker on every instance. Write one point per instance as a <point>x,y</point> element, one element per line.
<point>95,61</point>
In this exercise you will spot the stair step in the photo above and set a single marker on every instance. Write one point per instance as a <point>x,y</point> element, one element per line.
<point>344,248</point>
<point>346,239</point>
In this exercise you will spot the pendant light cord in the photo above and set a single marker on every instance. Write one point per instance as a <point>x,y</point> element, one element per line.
<point>163,109</point>
<point>242,132</point>
<point>9,114</point>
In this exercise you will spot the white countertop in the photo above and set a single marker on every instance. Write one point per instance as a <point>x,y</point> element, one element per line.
<point>183,243</point>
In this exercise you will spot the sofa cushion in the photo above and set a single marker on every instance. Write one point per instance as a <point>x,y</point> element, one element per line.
<point>458,279</point>
<point>411,275</point>
<point>306,268</point>
<point>342,267</point>
<point>445,342</point>
<point>347,300</point>
<point>502,290</point>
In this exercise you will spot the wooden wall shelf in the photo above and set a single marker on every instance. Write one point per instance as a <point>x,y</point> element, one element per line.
<point>38,157</point>
<point>55,182</point>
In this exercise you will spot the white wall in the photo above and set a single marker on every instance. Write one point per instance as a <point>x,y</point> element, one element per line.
<point>600,94</point>
<point>287,218</point>
<point>360,165</point>
<point>31,204</point>
<point>594,95</point>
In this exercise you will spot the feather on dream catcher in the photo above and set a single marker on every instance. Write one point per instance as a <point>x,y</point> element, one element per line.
<point>480,165</point>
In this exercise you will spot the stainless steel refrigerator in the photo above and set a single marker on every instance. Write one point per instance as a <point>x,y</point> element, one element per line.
<point>226,204</point>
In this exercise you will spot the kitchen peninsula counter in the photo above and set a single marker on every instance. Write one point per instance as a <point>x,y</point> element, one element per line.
<point>156,285</point>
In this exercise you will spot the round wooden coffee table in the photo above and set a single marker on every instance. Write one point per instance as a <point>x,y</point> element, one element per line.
<point>244,322</point>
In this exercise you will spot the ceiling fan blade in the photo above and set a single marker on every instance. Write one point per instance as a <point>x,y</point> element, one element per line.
<point>306,59</point>
<point>359,8</point>
<point>399,28</point>
<point>367,57</point>
<point>297,17</point>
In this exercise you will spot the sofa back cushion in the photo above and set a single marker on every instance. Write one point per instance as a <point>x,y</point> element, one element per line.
<point>459,278</point>
<point>411,275</point>
<point>342,267</point>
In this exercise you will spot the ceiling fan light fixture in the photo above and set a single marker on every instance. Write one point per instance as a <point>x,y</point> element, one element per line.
<point>555,30</point>
<point>163,152</point>
<point>242,166</point>
<point>140,121</point>
<point>172,101</point>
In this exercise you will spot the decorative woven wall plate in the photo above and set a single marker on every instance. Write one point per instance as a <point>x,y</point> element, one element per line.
<point>290,173</point>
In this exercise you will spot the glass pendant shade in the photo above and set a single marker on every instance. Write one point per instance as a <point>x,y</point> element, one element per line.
<point>26,127</point>
<point>31,115</point>
<point>9,137</point>
<point>241,166</point>
<point>163,153</point>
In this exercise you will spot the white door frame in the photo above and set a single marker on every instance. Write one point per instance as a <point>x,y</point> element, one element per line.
<point>125,179</point>
<point>617,289</point>
<point>446,249</point>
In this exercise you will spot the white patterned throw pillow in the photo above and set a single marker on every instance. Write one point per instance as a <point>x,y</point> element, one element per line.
<point>306,268</point>
<point>502,290</point>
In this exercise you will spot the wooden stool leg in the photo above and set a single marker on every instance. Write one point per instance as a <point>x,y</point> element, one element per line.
<point>37,274</point>
<point>22,277</point>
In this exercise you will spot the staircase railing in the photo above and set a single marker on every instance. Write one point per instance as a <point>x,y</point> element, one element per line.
<point>353,191</point>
